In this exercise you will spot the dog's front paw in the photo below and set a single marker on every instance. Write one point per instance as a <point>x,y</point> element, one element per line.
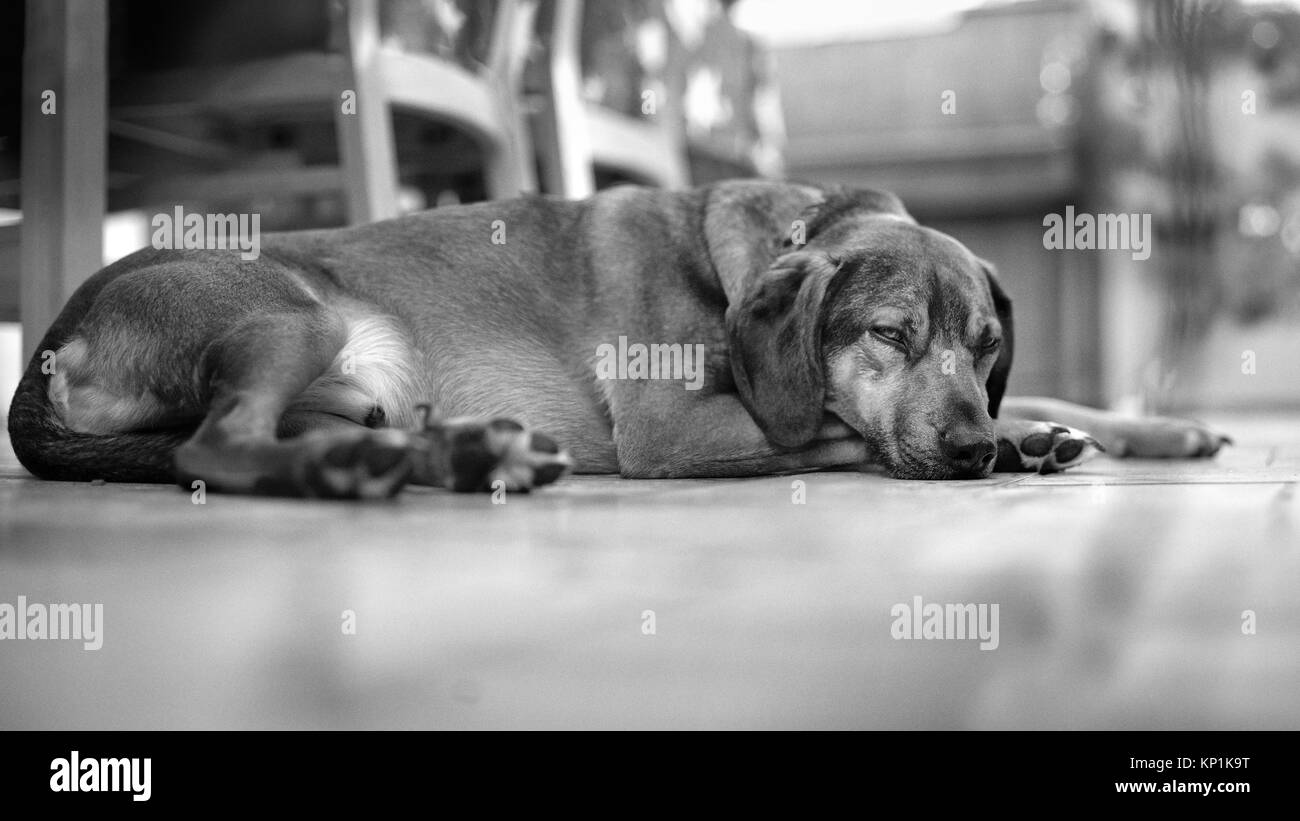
<point>1163,437</point>
<point>1043,447</point>
<point>375,465</point>
<point>475,455</point>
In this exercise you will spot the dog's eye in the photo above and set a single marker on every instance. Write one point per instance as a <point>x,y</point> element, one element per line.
<point>990,345</point>
<point>893,336</point>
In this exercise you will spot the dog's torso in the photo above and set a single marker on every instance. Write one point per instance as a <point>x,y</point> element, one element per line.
<point>500,309</point>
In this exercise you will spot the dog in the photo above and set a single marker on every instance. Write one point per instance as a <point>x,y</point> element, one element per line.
<point>458,348</point>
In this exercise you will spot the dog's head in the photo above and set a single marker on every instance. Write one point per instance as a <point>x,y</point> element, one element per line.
<point>897,329</point>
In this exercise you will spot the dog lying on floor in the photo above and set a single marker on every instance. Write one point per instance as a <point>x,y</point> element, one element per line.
<point>833,331</point>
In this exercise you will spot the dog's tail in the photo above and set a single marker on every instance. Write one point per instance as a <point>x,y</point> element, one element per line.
<point>51,450</point>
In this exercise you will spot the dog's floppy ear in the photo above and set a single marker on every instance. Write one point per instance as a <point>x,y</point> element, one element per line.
<point>775,333</point>
<point>997,383</point>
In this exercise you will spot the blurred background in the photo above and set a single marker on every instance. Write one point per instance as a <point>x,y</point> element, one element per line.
<point>1123,586</point>
<point>984,116</point>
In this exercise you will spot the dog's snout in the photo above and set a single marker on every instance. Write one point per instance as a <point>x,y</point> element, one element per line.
<point>968,449</point>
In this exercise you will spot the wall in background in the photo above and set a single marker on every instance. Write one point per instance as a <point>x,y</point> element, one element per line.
<point>968,127</point>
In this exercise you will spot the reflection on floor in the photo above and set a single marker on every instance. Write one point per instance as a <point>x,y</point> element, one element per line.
<point>1122,590</point>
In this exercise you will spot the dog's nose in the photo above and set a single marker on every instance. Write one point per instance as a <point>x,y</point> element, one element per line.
<point>969,450</point>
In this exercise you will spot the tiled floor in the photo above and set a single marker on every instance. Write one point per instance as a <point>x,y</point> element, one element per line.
<point>1120,587</point>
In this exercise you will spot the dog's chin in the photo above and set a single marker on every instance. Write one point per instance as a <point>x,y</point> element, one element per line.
<point>937,473</point>
<point>906,462</point>
<point>925,472</point>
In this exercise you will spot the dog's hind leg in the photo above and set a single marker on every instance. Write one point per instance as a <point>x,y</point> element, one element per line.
<point>255,371</point>
<point>254,441</point>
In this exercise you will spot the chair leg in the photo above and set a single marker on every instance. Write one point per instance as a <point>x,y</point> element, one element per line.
<point>564,144</point>
<point>65,140</point>
<point>510,167</point>
<point>367,148</point>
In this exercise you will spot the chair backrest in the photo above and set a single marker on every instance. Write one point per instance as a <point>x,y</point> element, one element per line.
<point>575,135</point>
<point>485,103</point>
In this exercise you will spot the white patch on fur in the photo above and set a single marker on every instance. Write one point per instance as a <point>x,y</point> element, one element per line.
<point>386,371</point>
<point>90,406</point>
